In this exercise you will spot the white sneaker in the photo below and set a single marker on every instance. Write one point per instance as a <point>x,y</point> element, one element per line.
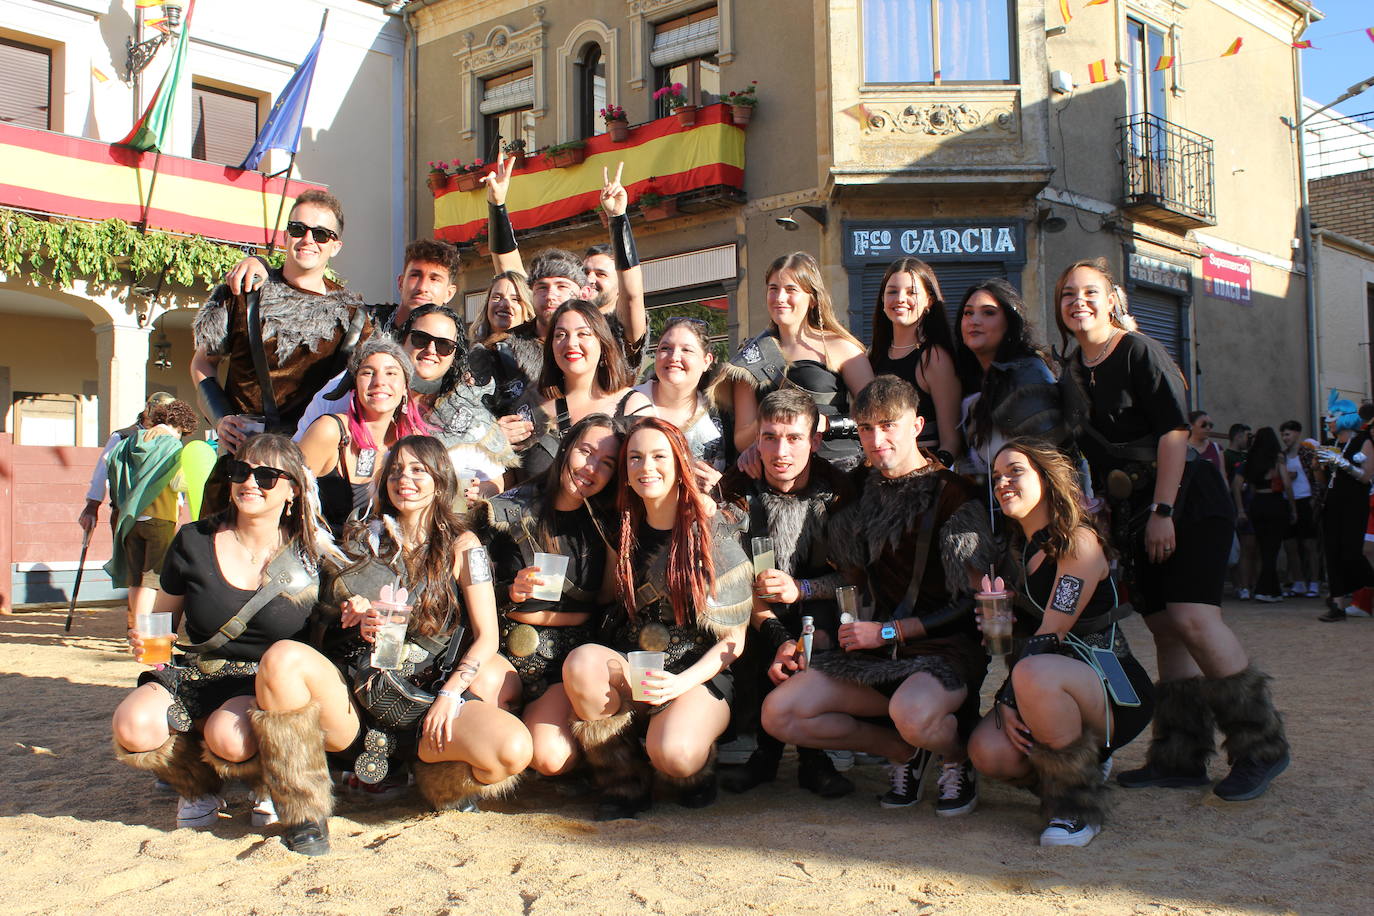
<point>1353,611</point>
<point>264,812</point>
<point>1297,589</point>
<point>1064,831</point>
<point>1106,769</point>
<point>1242,594</point>
<point>1314,590</point>
<point>198,812</point>
<point>841,760</point>
<point>1268,599</point>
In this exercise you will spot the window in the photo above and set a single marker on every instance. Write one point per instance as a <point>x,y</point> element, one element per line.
<point>938,41</point>
<point>591,92</point>
<point>685,51</point>
<point>25,85</point>
<point>224,123</point>
<point>1145,47</point>
<point>508,110</point>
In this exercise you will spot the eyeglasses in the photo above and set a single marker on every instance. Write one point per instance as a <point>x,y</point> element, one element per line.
<point>266,477</point>
<point>320,234</point>
<point>442,345</point>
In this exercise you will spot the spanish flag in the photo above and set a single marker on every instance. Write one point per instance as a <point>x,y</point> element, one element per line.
<point>1370,33</point>
<point>1064,12</point>
<point>1303,45</point>
<point>1097,71</point>
<point>143,4</point>
<point>1235,48</point>
<point>1095,3</point>
<point>1164,63</point>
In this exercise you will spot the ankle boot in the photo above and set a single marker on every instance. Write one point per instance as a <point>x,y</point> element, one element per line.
<point>816,773</point>
<point>1182,740</point>
<point>761,767</point>
<point>618,764</point>
<point>698,790</point>
<point>1256,746</point>
<point>296,772</point>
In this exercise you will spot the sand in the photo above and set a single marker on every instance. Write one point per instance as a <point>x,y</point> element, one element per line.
<point>79,832</point>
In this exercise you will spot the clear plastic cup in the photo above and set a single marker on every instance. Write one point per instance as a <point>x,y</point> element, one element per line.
<point>764,556</point>
<point>388,646</point>
<point>552,568</point>
<point>995,610</point>
<point>847,597</point>
<point>156,632</point>
<point>641,663</point>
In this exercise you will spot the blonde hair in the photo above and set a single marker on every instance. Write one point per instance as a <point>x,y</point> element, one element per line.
<point>821,315</point>
<point>480,329</point>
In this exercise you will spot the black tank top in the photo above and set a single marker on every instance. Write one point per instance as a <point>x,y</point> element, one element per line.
<point>905,368</point>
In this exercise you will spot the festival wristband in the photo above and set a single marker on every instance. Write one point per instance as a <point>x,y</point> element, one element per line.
<point>214,403</point>
<point>804,589</point>
<point>623,243</point>
<point>501,233</point>
<point>479,566</point>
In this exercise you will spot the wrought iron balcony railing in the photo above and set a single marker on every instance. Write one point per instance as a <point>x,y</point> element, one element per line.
<point>1166,172</point>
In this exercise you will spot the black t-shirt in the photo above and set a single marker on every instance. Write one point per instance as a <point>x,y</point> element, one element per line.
<point>1135,394</point>
<point>191,570</point>
<point>576,537</point>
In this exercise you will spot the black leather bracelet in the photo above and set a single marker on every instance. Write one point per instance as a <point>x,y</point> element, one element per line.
<point>501,233</point>
<point>772,629</point>
<point>1044,644</point>
<point>623,242</point>
<point>214,403</point>
<point>1006,694</point>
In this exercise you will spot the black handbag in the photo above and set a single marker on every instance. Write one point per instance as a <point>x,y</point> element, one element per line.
<point>392,699</point>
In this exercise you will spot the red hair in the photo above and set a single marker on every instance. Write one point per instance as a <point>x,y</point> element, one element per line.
<point>691,574</point>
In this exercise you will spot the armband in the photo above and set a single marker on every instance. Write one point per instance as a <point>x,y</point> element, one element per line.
<point>500,230</point>
<point>1067,591</point>
<point>1006,694</point>
<point>214,403</point>
<point>772,629</point>
<point>479,566</point>
<point>623,243</point>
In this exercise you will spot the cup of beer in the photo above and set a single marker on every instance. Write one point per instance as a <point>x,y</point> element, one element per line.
<point>641,663</point>
<point>552,569</point>
<point>994,607</point>
<point>156,632</point>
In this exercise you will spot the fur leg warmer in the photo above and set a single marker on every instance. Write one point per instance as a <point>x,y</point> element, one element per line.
<point>247,771</point>
<point>294,768</point>
<point>618,763</point>
<point>1245,714</point>
<point>699,789</point>
<point>178,763</point>
<point>449,784</point>
<point>1182,732</point>
<point>1071,783</point>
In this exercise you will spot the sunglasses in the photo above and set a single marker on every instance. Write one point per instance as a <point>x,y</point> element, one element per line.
<point>266,478</point>
<point>442,345</point>
<point>320,234</point>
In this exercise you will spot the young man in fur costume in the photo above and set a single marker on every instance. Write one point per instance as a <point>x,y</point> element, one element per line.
<point>790,503</point>
<point>913,537</point>
<point>309,326</point>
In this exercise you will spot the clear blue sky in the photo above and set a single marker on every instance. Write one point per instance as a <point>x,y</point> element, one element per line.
<point>1340,60</point>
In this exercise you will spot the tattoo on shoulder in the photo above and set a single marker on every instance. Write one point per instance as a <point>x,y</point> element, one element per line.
<point>1067,591</point>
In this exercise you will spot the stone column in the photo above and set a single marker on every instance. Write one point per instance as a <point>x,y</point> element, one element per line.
<point>122,353</point>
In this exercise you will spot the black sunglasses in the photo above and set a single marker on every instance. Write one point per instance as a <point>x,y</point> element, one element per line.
<point>442,345</point>
<point>321,234</point>
<point>266,477</point>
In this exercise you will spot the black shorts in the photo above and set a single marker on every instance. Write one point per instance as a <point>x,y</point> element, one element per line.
<point>1304,527</point>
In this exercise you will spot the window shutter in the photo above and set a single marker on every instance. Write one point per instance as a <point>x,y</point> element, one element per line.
<point>25,85</point>
<point>225,125</point>
<point>695,39</point>
<point>514,94</point>
<point>1161,316</point>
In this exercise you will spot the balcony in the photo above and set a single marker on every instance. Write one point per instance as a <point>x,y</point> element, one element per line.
<point>59,175</point>
<point>700,167</point>
<point>1166,173</point>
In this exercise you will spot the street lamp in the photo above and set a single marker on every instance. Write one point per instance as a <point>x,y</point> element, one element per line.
<point>141,55</point>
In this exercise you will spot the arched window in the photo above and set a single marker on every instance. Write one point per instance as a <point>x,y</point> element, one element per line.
<point>591,91</point>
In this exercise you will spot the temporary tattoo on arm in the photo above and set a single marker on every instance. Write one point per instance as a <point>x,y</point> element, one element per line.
<point>479,567</point>
<point>1066,594</point>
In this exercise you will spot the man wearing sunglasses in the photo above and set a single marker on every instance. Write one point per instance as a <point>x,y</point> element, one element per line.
<point>304,327</point>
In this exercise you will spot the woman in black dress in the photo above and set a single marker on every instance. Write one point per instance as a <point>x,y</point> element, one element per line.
<point>1055,720</point>
<point>1271,508</point>
<point>1172,527</point>
<point>1346,511</point>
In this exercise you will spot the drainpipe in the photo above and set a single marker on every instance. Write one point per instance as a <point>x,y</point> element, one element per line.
<point>1309,260</point>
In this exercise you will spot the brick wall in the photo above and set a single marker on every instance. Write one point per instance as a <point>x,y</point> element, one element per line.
<point>1345,204</point>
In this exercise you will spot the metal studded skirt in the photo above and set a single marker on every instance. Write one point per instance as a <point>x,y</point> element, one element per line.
<point>537,652</point>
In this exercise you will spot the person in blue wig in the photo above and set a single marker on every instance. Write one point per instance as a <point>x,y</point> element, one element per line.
<point>1345,519</point>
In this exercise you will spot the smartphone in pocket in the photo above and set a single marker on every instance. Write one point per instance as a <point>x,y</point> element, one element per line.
<point>1118,684</point>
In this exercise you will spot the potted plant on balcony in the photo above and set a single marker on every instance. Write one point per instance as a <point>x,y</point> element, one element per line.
<point>470,175</point>
<point>515,149</point>
<point>616,123</point>
<point>438,178</point>
<point>480,243</point>
<point>742,103</point>
<point>675,97</point>
<point>656,206</point>
<point>563,155</point>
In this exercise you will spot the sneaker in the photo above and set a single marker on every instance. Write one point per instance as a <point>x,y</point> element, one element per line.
<point>1068,831</point>
<point>1333,614</point>
<point>1249,778</point>
<point>1268,599</point>
<point>198,812</point>
<point>264,812</point>
<point>1242,594</point>
<point>1354,611</point>
<point>1296,590</point>
<point>907,779</point>
<point>1314,590</point>
<point>163,788</point>
<point>958,784</point>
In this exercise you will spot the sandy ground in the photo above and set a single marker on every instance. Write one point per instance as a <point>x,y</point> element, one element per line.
<point>79,832</point>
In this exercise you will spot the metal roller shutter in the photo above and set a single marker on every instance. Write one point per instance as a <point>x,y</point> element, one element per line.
<point>225,125</point>
<point>25,85</point>
<point>954,279</point>
<point>1161,316</point>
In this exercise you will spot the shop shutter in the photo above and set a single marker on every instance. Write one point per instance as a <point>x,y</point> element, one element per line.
<point>25,85</point>
<point>1161,316</point>
<point>954,277</point>
<point>225,125</point>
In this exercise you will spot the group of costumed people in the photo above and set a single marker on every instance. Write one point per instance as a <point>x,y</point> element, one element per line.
<point>444,460</point>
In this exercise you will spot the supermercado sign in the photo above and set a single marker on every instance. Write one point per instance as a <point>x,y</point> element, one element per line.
<point>935,240</point>
<point>1226,276</point>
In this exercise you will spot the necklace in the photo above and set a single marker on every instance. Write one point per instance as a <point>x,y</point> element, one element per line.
<point>1092,364</point>
<point>252,554</point>
<point>893,348</point>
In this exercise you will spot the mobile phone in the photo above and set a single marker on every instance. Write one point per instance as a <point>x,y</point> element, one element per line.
<point>1117,682</point>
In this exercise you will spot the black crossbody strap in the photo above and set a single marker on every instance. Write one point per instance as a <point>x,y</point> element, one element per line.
<point>920,556</point>
<point>271,415</point>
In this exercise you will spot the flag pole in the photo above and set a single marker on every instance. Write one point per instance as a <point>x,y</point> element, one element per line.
<point>148,201</point>
<point>285,183</point>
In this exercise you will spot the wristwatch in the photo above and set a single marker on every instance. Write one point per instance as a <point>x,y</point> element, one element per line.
<point>1163,510</point>
<point>889,632</point>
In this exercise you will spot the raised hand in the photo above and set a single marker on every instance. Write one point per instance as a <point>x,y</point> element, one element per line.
<point>614,198</point>
<point>498,181</point>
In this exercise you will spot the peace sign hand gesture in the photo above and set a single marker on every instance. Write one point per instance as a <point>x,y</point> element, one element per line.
<point>614,198</point>
<point>498,182</point>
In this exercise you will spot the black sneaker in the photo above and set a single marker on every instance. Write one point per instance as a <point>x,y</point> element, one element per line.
<point>816,773</point>
<point>1249,778</point>
<point>1334,613</point>
<point>958,784</point>
<point>907,779</point>
<point>1151,777</point>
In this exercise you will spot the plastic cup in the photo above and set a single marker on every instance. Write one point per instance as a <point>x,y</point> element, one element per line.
<point>995,609</point>
<point>641,663</point>
<point>552,568</point>
<point>764,556</point>
<point>847,597</point>
<point>156,632</point>
<point>388,646</point>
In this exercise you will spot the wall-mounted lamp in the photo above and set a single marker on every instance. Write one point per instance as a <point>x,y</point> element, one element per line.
<point>1051,222</point>
<point>791,225</point>
<point>162,352</point>
<point>141,54</point>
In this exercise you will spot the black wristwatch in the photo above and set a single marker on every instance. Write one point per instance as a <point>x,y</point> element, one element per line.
<point>1163,510</point>
<point>889,632</point>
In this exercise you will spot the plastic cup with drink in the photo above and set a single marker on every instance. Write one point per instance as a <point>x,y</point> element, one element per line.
<point>641,663</point>
<point>155,630</point>
<point>994,610</point>
<point>553,567</point>
<point>764,556</point>
<point>388,646</point>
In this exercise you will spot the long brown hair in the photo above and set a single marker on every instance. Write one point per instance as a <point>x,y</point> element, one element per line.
<point>821,315</point>
<point>932,329</point>
<point>611,372</point>
<point>299,523</point>
<point>1119,316</point>
<point>691,573</point>
<point>1059,483</point>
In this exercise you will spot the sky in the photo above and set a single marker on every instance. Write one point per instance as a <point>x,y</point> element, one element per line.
<point>1340,60</point>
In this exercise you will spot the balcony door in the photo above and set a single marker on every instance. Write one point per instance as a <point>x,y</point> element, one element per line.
<point>1146,106</point>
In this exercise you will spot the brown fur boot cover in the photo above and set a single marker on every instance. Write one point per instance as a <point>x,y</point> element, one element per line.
<point>247,771</point>
<point>448,784</point>
<point>1182,738</point>
<point>1071,783</point>
<point>613,753</point>
<point>294,768</point>
<point>1245,714</point>
<point>698,781</point>
<point>177,763</point>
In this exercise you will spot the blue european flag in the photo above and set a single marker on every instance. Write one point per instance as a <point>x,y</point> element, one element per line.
<point>283,127</point>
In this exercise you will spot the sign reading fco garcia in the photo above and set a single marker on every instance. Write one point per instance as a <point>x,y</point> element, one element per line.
<point>935,240</point>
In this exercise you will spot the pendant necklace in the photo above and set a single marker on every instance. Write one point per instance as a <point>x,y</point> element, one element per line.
<point>1101,355</point>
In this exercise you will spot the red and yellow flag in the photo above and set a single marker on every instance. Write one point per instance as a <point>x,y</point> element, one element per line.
<point>1097,71</point>
<point>1095,3</point>
<point>1370,33</point>
<point>1064,12</point>
<point>161,24</point>
<point>1234,48</point>
<point>1303,45</point>
<point>99,75</point>
<point>144,4</point>
<point>1164,63</point>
